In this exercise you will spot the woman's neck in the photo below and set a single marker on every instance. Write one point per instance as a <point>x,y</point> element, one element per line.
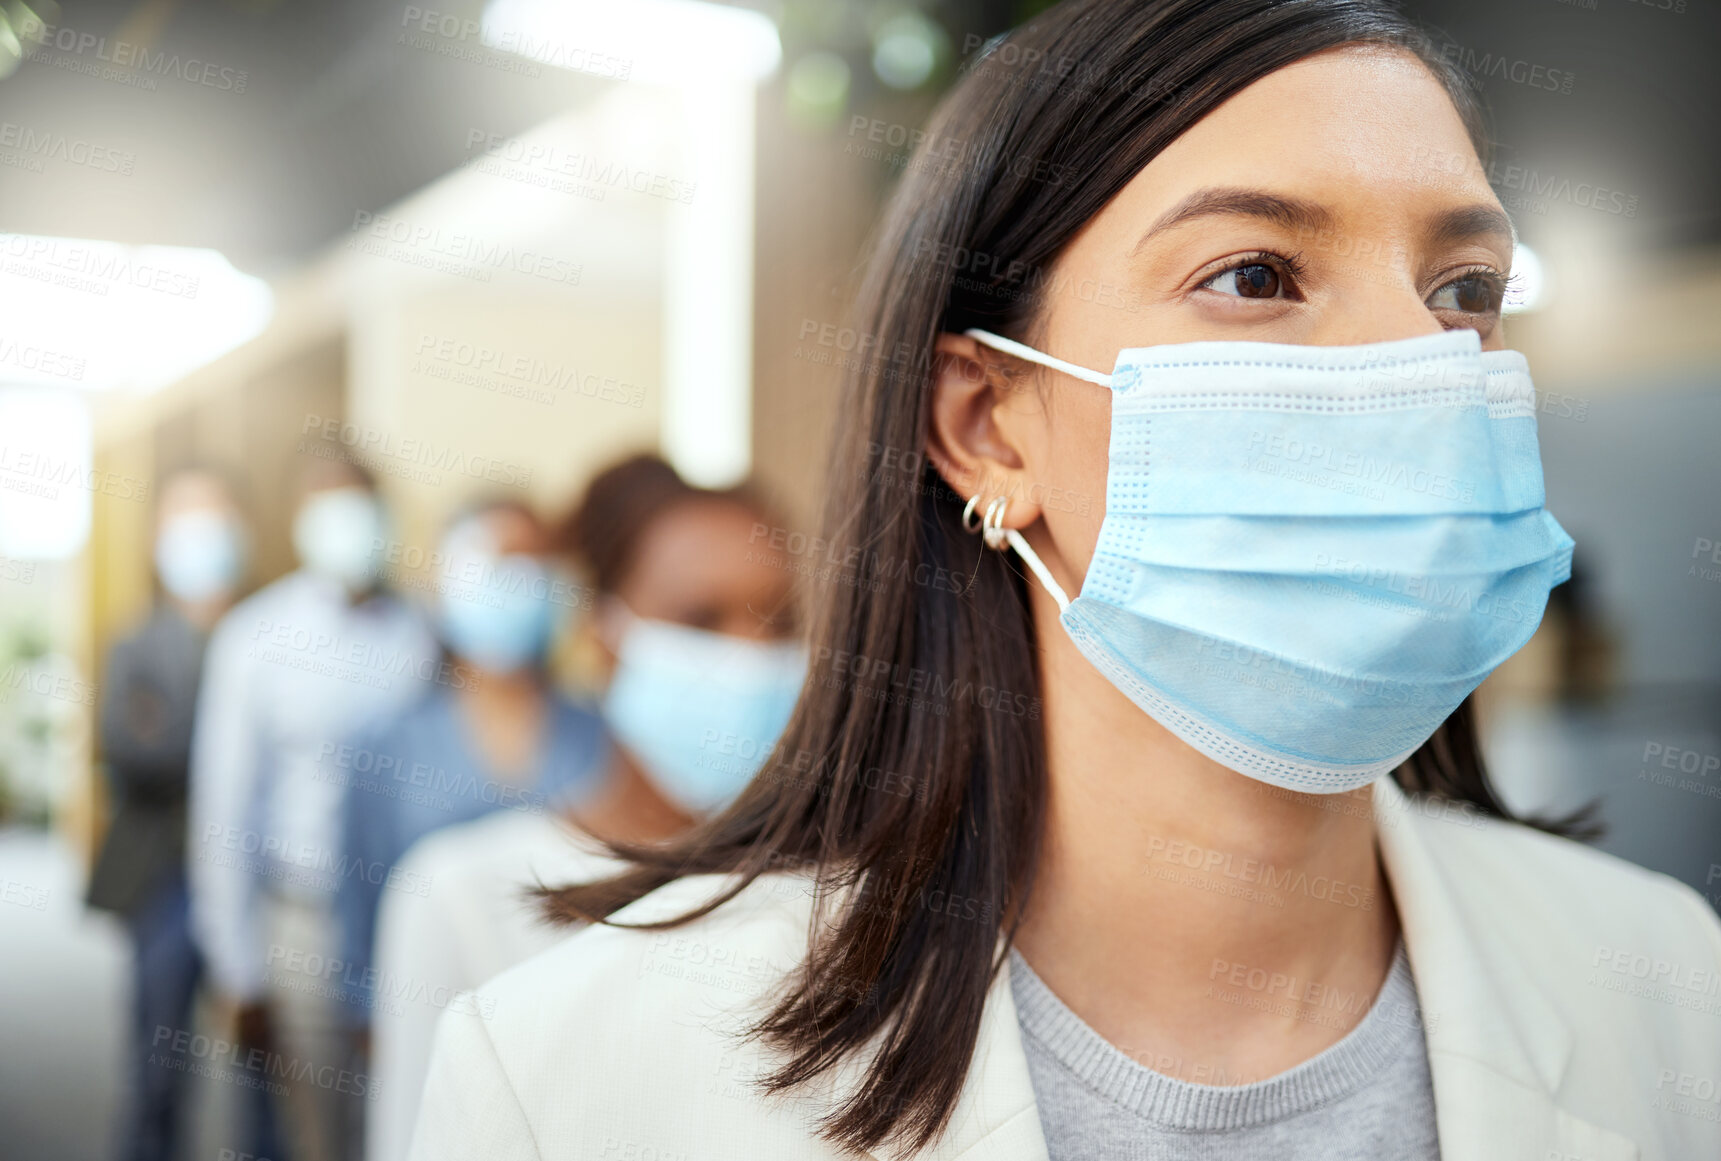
<point>505,718</point>
<point>1189,913</point>
<point>628,807</point>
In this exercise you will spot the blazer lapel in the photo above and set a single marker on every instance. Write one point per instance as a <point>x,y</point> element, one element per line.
<point>995,1117</point>
<point>1497,1050</point>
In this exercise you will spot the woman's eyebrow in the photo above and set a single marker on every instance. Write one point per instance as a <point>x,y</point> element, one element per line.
<point>1288,212</point>
<point>1460,224</point>
<point>1470,223</point>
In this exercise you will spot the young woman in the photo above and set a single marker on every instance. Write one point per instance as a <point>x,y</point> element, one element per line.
<point>1204,864</point>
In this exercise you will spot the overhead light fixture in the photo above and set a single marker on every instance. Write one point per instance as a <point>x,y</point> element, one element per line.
<point>713,57</point>
<point>47,474</point>
<point>108,316</point>
<point>668,42</point>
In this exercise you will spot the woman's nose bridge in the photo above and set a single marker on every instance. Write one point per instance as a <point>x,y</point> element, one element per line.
<point>1372,295</point>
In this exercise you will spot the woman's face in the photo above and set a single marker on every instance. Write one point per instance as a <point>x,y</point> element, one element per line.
<point>1336,201</point>
<point>695,566</point>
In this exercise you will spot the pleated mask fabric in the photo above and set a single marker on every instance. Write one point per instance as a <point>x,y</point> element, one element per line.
<point>1311,555</point>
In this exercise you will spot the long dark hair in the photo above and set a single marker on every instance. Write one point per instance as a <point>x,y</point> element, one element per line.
<point>931,676</point>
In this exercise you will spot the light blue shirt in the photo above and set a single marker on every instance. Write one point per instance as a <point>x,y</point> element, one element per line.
<point>290,671</point>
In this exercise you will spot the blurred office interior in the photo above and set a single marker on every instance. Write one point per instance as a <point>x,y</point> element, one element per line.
<point>490,248</point>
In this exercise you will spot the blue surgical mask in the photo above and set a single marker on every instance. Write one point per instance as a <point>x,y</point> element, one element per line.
<point>338,534</point>
<point>1311,555</point>
<point>499,612</point>
<point>200,555</point>
<point>700,711</point>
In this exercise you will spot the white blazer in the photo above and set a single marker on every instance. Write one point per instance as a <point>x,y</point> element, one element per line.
<point>1572,1007</point>
<point>471,925</point>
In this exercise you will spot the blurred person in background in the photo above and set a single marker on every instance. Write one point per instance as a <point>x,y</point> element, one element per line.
<point>291,672</point>
<point>502,739</point>
<point>713,665</point>
<point>149,694</point>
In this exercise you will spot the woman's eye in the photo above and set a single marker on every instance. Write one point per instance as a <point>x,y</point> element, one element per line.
<point>1253,280</point>
<point>1472,294</point>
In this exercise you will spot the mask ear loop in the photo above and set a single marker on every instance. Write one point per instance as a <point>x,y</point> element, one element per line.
<point>1024,351</point>
<point>992,527</point>
<point>997,537</point>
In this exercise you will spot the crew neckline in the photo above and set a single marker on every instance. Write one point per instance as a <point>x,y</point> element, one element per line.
<point>1170,1103</point>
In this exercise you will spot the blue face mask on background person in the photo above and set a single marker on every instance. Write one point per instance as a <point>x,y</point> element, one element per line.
<point>336,533</point>
<point>701,711</point>
<point>496,611</point>
<point>1311,555</point>
<point>200,555</point>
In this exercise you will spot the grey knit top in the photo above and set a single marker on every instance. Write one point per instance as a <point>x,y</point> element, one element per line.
<point>1367,1096</point>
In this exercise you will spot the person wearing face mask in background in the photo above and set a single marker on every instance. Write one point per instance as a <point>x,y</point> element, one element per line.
<point>691,630</point>
<point>506,740</point>
<point>148,694</point>
<point>291,672</point>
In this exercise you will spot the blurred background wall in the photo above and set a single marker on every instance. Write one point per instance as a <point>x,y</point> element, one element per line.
<point>491,247</point>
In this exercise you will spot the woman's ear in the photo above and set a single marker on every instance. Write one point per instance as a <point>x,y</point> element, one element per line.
<point>974,440</point>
